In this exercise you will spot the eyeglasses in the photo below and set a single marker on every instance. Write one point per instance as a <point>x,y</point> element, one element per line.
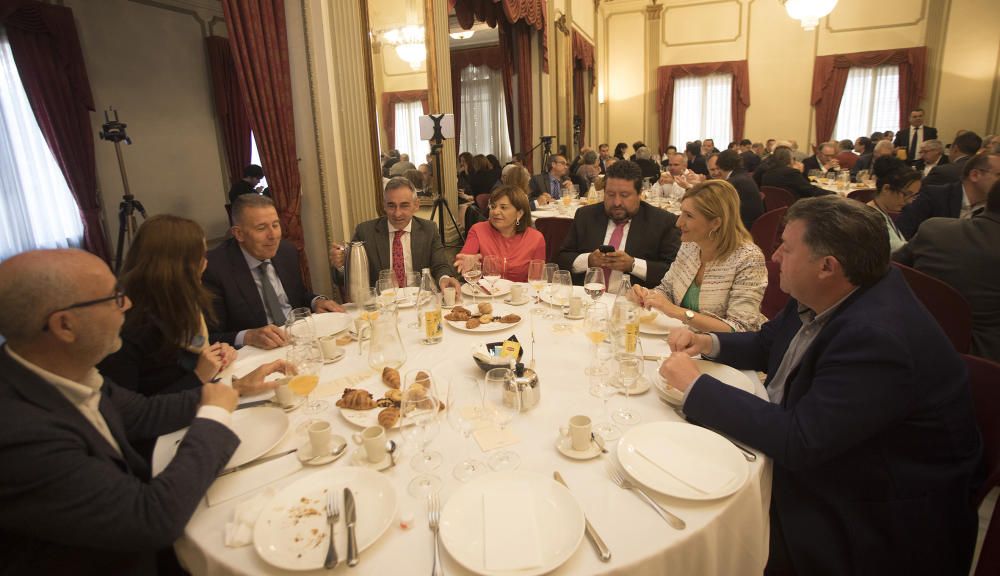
<point>118,296</point>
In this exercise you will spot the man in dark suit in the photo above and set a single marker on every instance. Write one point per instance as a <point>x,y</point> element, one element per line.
<point>728,166</point>
<point>252,176</point>
<point>824,160</point>
<point>962,199</point>
<point>76,497</point>
<point>965,146</point>
<point>645,238</point>
<point>870,423</point>
<point>781,171</point>
<point>650,169</point>
<point>750,159</point>
<point>256,279</point>
<point>912,136</point>
<point>604,155</point>
<point>418,240</point>
<point>549,185</point>
<point>963,253</point>
<point>931,156</point>
<point>696,161</point>
<point>867,161</point>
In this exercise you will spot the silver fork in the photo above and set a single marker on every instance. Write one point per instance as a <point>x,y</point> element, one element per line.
<point>434,522</point>
<point>332,516</point>
<point>618,477</point>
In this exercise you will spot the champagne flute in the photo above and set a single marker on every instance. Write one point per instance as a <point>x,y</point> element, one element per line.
<point>419,425</point>
<point>492,270</point>
<point>306,360</point>
<point>472,272</point>
<point>466,414</point>
<point>536,279</point>
<point>630,372</point>
<point>603,387</point>
<point>595,326</point>
<point>593,283</point>
<point>550,270</point>
<point>501,406</point>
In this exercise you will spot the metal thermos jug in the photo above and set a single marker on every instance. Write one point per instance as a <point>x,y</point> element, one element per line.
<point>356,270</point>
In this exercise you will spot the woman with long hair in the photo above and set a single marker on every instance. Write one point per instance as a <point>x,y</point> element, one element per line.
<point>165,344</point>
<point>717,281</point>
<point>507,234</point>
<point>897,184</point>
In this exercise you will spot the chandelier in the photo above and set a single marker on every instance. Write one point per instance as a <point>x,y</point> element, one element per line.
<point>808,11</point>
<point>409,44</point>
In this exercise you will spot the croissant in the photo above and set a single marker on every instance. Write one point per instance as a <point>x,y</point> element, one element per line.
<point>461,310</point>
<point>384,403</point>
<point>356,399</point>
<point>510,319</point>
<point>388,417</point>
<point>390,377</point>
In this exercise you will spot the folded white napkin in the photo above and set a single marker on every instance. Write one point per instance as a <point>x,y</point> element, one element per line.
<point>510,530</point>
<point>685,463</point>
<point>239,532</point>
<point>245,481</point>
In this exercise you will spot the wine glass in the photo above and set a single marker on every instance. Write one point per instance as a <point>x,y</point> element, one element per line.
<point>501,406</point>
<point>603,387</point>
<point>593,283</point>
<point>550,270</point>
<point>563,283</point>
<point>419,424</point>
<point>536,278</point>
<point>466,414</point>
<point>306,359</point>
<point>386,290</point>
<point>472,272</point>
<point>595,326</point>
<point>299,325</point>
<point>629,373</point>
<point>492,270</point>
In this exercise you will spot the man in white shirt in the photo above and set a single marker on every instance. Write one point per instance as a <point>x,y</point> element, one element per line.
<point>931,155</point>
<point>677,178</point>
<point>76,497</point>
<point>914,135</point>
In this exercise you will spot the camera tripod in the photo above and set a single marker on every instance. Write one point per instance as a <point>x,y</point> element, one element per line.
<point>114,132</point>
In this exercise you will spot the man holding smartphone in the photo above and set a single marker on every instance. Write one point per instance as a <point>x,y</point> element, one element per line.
<point>624,235</point>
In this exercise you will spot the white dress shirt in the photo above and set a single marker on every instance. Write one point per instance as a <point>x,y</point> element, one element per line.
<point>580,264</point>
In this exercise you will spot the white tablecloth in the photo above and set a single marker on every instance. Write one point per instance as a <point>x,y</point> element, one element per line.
<point>725,537</point>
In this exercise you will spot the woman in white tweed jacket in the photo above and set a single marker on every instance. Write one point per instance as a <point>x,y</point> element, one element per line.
<point>717,281</point>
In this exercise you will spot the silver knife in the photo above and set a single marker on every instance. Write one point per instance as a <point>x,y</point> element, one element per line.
<point>350,517</point>
<point>255,462</point>
<point>255,403</point>
<point>592,535</point>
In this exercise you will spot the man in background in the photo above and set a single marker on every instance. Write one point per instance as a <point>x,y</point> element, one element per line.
<point>911,137</point>
<point>963,199</point>
<point>249,184</point>
<point>728,166</point>
<point>965,145</point>
<point>931,156</point>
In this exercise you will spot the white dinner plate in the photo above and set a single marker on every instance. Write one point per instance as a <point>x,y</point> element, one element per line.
<point>292,532</point>
<point>364,418</point>
<point>662,324</point>
<point>495,326</point>
<point>331,323</point>
<point>577,291</point>
<point>683,460</point>
<point>502,288</point>
<point>721,372</point>
<point>259,429</point>
<point>558,521</point>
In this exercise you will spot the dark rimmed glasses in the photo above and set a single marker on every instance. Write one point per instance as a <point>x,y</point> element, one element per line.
<point>118,296</point>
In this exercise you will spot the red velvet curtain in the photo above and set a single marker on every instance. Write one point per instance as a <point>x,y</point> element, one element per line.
<point>830,78</point>
<point>259,45</point>
<point>389,101</point>
<point>50,63</point>
<point>520,35</point>
<point>229,106</point>
<point>740,98</point>
<point>583,60</point>
<point>531,12</point>
<point>491,57</point>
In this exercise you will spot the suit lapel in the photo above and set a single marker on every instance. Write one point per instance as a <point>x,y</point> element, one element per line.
<point>243,278</point>
<point>382,244</point>
<point>418,239</point>
<point>113,419</point>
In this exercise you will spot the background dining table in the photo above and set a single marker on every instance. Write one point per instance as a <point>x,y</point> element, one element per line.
<point>726,536</point>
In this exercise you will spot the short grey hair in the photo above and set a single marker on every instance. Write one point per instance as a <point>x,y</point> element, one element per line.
<point>884,144</point>
<point>244,202</point>
<point>398,182</point>
<point>589,157</point>
<point>936,144</point>
<point>643,153</point>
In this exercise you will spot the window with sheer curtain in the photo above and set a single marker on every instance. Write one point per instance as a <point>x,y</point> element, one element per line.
<point>702,109</point>
<point>408,131</point>
<point>255,159</point>
<point>37,209</point>
<point>484,114</point>
<point>870,102</point>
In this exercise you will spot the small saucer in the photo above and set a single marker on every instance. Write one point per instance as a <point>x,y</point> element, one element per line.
<point>565,446</point>
<point>337,358</point>
<point>359,458</point>
<point>569,316</point>
<point>306,456</point>
<point>640,386</point>
<point>518,303</point>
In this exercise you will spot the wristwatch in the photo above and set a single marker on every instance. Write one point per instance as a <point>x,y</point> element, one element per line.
<point>688,316</point>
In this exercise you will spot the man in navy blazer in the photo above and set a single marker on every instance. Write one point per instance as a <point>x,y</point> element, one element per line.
<point>235,271</point>
<point>870,422</point>
<point>75,497</point>
<point>961,199</point>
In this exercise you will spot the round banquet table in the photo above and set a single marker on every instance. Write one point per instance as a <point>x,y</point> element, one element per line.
<point>728,536</point>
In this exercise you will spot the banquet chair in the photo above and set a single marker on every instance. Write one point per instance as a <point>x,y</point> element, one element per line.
<point>766,230</point>
<point>775,298</point>
<point>554,230</point>
<point>775,197</point>
<point>863,195</point>
<point>945,304</point>
<point>984,380</point>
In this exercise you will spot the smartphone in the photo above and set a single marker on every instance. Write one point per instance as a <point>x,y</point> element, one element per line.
<point>606,248</point>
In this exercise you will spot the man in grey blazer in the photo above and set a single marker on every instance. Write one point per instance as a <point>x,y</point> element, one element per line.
<point>76,498</point>
<point>645,238</point>
<point>419,243</point>
<point>964,147</point>
<point>963,254</point>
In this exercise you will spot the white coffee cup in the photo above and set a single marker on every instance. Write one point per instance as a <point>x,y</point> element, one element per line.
<point>516,293</point>
<point>579,431</point>
<point>331,351</point>
<point>283,394</point>
<point>576,306</point>
<point>320,437</point>
<point>448,292</point>
<point>372,439</point>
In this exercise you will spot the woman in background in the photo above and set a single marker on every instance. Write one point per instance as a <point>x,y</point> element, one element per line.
<point>897,184</point>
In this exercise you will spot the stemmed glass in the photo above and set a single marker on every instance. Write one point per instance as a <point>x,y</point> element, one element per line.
<point>563,283</point>
<point>472,272</point>
<point>602,387</point>
<point>630,372</point>
<point>466,414</point>
<point>492,270</point>
<point>501,407</point>
<point>550,270</point>
<point>419,424</point>
<point>299,326</point>
<point>595,326</point>
<point>306,360</point>
<point>536,279</point>
<point>386,286</point>
<point>593,283</point>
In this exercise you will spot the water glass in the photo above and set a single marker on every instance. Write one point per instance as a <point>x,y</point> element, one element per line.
<point>501,406</point>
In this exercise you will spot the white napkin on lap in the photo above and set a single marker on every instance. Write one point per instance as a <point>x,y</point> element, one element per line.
<point>510,530</point>
<point>685,463</point>
<point>245,481</point>
<point>239,532</point>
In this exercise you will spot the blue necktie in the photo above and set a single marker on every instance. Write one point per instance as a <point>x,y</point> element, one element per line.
<point>556,189</point>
